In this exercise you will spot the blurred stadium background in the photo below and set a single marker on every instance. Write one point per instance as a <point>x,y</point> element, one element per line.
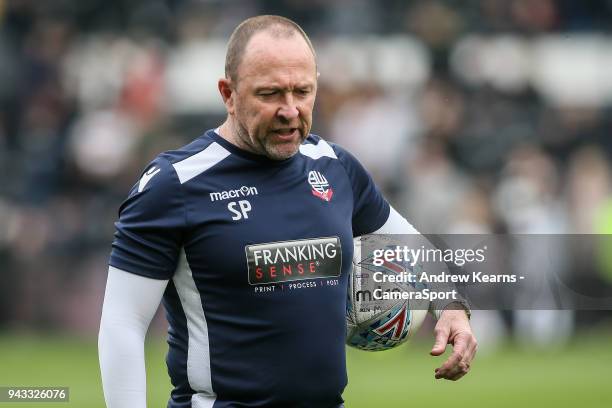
<point>476,116</point>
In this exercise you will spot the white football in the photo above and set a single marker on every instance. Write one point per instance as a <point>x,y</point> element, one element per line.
<point>375,324</point>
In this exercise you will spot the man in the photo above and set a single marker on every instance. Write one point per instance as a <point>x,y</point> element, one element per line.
<point>247,234</point>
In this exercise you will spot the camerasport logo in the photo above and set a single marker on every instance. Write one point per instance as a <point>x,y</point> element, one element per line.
<point>320,186</point>
<point>287,261</point>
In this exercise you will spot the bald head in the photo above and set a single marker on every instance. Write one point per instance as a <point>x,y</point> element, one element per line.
<point>275,26</point>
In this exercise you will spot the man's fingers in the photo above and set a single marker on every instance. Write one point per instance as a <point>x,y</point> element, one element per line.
<point>453,372</point>
<point>441,341</point>
<point>458,364</point>
<point>458,373</point>
<point>460,352</point>
<point>449,367</point>
<point>472,349</point>
<point>454,328</point>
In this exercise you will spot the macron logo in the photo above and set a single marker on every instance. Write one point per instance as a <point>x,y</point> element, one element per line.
<point>243,191</point>
<point>146,177</point>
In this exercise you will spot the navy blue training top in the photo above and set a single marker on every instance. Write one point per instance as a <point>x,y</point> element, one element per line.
<point>257,253</point>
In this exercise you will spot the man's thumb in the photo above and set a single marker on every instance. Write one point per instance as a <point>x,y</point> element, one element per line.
<point>440,343</point>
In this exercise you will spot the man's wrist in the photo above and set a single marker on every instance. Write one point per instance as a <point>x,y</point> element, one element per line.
<point>454,305</point>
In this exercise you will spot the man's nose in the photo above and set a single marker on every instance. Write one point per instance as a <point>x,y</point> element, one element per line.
<point>288,109</point>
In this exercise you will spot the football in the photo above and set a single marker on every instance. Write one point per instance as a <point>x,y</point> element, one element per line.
<point>375,324</point>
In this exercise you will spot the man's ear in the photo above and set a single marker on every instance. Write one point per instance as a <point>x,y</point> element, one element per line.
<point>226,90</point>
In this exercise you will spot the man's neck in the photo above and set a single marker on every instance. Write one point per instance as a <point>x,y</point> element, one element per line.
<point>229,132</point>
<point>225,131</point>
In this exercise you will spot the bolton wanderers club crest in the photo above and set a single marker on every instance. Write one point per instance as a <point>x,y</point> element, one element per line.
<point>320,186</point>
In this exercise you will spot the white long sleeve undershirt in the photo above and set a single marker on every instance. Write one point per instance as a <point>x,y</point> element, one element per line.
<point>396,224</point>
<point>130,302</point>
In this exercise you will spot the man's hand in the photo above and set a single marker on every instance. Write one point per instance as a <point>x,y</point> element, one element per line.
<point>453,327</point>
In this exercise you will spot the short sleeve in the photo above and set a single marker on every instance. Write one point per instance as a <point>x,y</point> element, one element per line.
<point>370,210</point>
<point>151,225</point>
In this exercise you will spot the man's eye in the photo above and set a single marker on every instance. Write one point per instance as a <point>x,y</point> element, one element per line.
<point>267,93</point>
<point>303,92</point>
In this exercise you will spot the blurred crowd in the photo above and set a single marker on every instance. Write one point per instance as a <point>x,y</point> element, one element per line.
<point>458,110</point>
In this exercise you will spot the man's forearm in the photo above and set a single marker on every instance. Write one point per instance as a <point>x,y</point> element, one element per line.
<point>122,365</point>
<point>130,302</point>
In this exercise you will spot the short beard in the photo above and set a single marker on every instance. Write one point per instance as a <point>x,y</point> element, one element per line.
<point>261,147</point>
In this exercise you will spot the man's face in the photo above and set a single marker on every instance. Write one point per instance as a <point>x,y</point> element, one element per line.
<point>273,97</point>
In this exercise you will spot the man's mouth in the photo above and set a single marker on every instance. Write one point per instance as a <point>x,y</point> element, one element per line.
<point>286,133</point>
